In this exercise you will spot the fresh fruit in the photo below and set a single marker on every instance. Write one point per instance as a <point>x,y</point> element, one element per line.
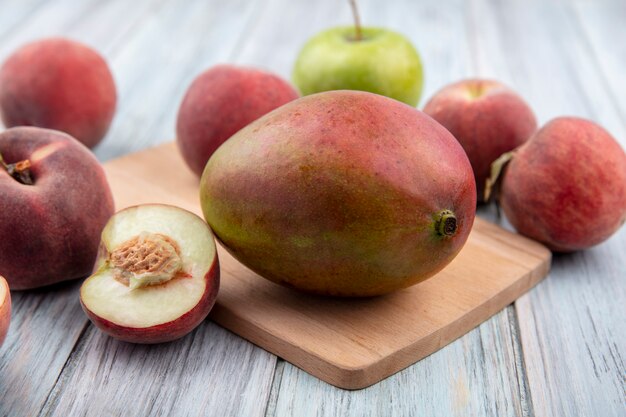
<point>5,309</point>
<point>486,117</point>
<point>353,58</point>
<point>156,277</point>
<point>343,193</point>
<point>219,102</point>
<point>566,186</point>
<point>55,201</point>
<point>58,84</point>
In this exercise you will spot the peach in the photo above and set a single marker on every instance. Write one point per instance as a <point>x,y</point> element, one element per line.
<point>486,117</point>
<point>219,102</point>
<point>341,193</point>
<point>56,200</point>
<point>5,309</point>
<point>58,84</point>
<point>566,186</point>
<point>156,277</point>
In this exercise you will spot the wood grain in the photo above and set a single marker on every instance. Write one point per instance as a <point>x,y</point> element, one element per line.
<point>600,25</point>
<point>459,380</point>
<point>45,326</point>
<point>209,372</point>
<point>348,343</point>
<point>160,60</point>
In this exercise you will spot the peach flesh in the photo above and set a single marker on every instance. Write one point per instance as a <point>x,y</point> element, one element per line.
<point>5,309</point>
<point>177,299</point>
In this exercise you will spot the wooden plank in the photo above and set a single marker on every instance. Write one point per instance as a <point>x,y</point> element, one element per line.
<point>209,372</point>
<point>158,63</point>
<point>49,19</point>
<point>114,23</point>
<point>571,326</point>
<point>16,14</point>
<point>45,325</point>
<point>602,24</point>
<point>556,75</point>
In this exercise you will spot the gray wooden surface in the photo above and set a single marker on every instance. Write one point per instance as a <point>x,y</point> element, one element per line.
<point>555,352</point>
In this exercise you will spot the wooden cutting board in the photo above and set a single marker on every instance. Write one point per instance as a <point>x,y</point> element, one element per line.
<point>350,343</point>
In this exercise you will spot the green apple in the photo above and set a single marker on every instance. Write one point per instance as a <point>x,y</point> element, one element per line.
<point>381,62</point>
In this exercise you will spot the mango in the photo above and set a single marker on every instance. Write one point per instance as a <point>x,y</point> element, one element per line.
<point>342,193</point>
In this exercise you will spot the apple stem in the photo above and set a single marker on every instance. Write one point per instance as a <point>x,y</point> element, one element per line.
<point>446,224</point>
<point>357,21</point>
<point>20,171</point>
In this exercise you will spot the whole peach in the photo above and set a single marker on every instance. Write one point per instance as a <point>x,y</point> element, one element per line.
<point>58,84</point>
<point>219,102</point>
<point>55,202</point>
<point>566,186</point>
<point>486,117</point>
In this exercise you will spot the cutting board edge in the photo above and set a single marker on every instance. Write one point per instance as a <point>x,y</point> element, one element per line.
<point>363,376</point>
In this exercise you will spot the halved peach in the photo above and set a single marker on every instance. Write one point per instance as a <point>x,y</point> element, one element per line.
<point>156,277</point>
<point>5,308</point>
